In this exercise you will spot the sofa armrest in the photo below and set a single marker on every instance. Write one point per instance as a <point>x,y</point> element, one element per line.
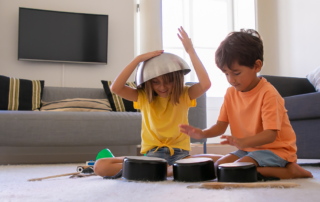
<point>289,86</point>
<point>304,106</point>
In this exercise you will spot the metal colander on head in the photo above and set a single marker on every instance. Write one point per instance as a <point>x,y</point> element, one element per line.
<point>160,65</point>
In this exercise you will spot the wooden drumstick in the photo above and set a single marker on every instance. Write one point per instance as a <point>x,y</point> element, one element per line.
<point>39,179</point>
<point>223,185</point>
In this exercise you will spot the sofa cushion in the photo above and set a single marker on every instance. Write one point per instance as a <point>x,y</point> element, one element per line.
<point>77,105</point>
<point>20,94</point>
<point>36,128</point>
<point>314,78</point>
<point>118,103</point>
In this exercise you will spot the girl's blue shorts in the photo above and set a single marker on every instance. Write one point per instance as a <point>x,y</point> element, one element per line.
<point>164,153</point>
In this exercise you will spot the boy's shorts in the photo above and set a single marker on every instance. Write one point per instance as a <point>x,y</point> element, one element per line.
<point>264,158</point>
<point>164,153</point>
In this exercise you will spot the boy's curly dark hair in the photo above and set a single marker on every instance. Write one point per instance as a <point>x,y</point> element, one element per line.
<point>244,47</point>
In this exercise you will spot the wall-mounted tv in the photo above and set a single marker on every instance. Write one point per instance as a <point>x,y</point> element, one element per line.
<point>62,36</point>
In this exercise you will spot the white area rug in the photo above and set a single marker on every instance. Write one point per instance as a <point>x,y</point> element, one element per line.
<point>15,187</point>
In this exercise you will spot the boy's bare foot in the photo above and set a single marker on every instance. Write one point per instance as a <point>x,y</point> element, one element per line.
<point>292,170</point>
<point>297,172</point>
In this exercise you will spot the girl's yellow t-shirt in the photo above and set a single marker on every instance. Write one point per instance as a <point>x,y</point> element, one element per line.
<point>161,119</point>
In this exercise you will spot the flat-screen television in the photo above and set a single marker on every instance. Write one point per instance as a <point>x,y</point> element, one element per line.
<point>62,36</point>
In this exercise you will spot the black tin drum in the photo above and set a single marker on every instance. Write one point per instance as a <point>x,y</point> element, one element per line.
<point>237,172</point>
<point>193,170</point>
<point>142,168</point>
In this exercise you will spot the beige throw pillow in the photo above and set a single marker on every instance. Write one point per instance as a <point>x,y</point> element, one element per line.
<point>77,105</point>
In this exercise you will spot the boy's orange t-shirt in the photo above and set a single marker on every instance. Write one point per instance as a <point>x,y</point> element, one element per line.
<point>261,108</point>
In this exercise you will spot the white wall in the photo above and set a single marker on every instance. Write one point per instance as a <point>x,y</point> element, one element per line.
<point>150,25</point>
<point>290,30</point>
<point>121,42</point>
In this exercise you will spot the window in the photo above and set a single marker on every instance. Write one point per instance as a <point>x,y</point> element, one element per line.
<point>207,23</point>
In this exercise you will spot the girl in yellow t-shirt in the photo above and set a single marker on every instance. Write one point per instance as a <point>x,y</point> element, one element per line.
<point>164,102</point>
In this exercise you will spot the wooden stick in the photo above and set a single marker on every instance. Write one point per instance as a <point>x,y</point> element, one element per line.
<point>39,179</point>
<point>82,175</point>
<point>223,185</point>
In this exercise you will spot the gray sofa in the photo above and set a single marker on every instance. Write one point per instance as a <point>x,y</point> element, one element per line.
<point>66,137</point>
<point>303,105</point>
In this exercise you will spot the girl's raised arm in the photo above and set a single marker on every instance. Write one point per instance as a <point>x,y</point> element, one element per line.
<point>118,85</point>
<point>204,84</point>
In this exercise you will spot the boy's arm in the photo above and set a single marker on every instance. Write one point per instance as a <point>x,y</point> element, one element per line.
<point>204,84</point>
<point>262,138</point>
<point>218,129</point>
<point>119,85</point>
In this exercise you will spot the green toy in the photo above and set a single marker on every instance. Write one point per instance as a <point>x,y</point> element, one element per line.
<point>105,153</point>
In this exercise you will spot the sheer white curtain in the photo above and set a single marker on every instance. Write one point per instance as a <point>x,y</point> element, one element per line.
<point>207,22</point>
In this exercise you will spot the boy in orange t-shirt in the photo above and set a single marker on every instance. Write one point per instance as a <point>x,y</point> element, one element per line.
<point>258,120</point>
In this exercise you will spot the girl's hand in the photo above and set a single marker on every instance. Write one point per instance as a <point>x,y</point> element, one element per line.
<point>186,41</point>
<point>149,55</point>
<point>237,142</point>
<point>195,133</point>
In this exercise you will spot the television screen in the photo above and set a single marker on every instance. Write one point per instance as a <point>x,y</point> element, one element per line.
<point>62,36</point>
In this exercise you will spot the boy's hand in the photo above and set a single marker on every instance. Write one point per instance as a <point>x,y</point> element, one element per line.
<point>239,143</point>
<point>149,55</point>
<point>186,41</point>
<point>193,132</point>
